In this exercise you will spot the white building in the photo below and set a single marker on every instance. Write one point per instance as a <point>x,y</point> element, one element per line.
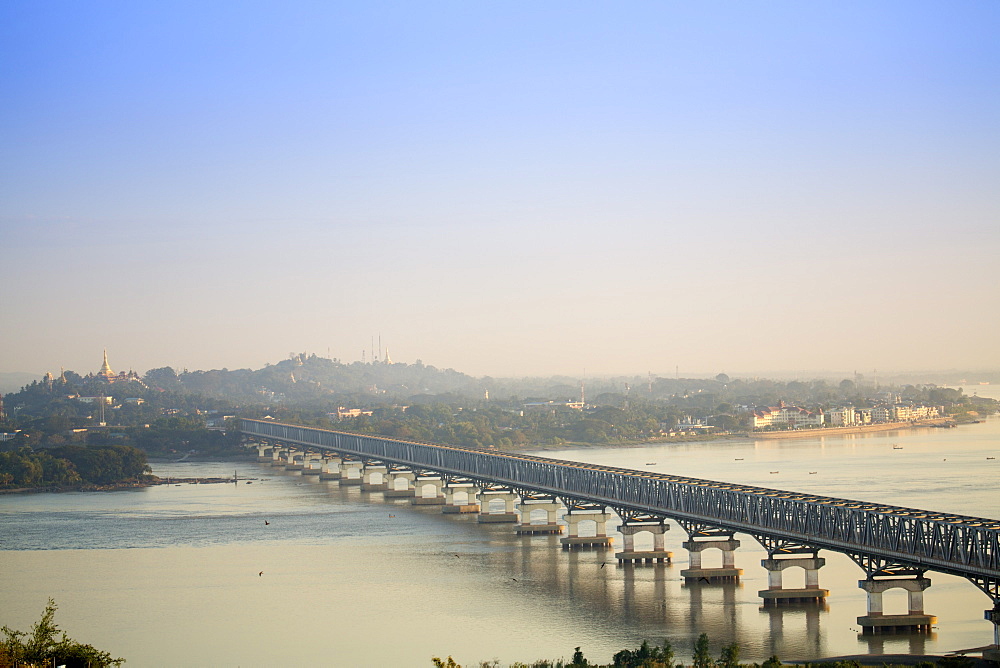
<point>95,400</point>
<point>912,412</point>
<point>883,413</point>
<point>841,417</point>
<point>786,416</point>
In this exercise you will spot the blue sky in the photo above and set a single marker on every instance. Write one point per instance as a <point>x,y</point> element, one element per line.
<point>503,188</point>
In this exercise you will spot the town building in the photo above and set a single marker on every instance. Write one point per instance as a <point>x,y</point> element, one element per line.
<point>95,400</point>
<point>841,417</point>
<point>883,413</point>
<point>784,416</point>
<point>345,413</point>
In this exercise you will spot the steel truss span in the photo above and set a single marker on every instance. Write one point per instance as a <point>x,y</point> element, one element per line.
<point>921,539</point>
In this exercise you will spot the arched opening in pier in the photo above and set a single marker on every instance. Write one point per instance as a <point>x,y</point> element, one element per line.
<point>461,497</point>
<point>587,528</point>
<point>793,578</point>
<point>400,483</point>
<point>711,558</point>
<point>534,516</point>
<point>895,602</point>
<point>493,505</point>
<point>375,477</point>
<point>426,490</point>
<point>643,541</point>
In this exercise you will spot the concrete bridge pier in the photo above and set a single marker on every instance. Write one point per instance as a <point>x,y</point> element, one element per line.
<point>915,619</point>
<point>312,463</point>
<point>507,516</point>
<point>419,498</point>
<point>551,525</point>
<point>331,468</point>
<point>278,455</point>
<point>776,593</point>
<point>727,573</point>
<point>574,540</point>
<point>993,653</point>
<point>294,462</point>
<point>453,502</point>
<point>659,552</point>
<point>263,453</point>
<point>393,490</point>
<point>373,477</point>
<point>350,471</point>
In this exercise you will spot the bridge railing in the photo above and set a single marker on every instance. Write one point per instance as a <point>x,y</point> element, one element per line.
<point>961,545</point>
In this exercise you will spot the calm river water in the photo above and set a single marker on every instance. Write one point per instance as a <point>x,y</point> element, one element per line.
<point>191,575</point>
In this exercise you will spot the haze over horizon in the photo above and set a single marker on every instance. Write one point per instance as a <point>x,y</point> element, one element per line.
<point>505,189</point>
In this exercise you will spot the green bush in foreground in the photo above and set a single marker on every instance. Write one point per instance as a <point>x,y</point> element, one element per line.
<point>42,647</point>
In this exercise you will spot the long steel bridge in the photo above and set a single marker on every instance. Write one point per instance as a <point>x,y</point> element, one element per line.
<point>882,539</point>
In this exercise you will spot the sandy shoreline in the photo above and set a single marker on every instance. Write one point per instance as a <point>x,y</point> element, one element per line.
<point>125,485</point>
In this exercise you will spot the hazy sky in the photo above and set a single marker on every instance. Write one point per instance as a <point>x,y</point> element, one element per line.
<point>504,188</point>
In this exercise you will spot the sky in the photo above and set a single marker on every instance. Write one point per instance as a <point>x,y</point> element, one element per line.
<point>504,188</point>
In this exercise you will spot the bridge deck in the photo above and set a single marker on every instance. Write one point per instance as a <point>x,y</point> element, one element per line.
<point>923,539</point>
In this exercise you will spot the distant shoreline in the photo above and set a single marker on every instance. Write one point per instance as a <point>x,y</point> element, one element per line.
<point>858,429</point>
<point>154,481</point>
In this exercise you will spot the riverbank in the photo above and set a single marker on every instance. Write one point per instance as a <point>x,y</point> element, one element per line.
<point>151,482</point>
<point>973,661</point>
<point>857,429</point>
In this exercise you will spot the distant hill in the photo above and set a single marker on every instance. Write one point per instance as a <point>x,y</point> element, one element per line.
<point>305,379</point>
<point>12,381</point>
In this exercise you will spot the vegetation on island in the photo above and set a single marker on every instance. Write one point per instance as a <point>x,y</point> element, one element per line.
<point>47,645</point>
<point>72,465</point>
<point>651,656</point>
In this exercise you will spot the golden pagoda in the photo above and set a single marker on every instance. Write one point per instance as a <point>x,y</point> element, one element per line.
<point>106,373</point>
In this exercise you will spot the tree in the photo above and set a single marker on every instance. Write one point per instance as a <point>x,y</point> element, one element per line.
<point>730,657</point>
<point>645,656</point>
<point>449,663</point>
<point>42,646</point>
<point>701,657</point>
<point>578,659</point>
<point>722,378</point>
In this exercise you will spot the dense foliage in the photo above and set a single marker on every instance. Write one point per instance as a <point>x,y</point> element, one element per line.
<point>72,465</point>
<point>44,646</point>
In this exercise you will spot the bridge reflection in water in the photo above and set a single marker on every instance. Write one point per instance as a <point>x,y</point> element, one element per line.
<point>894,546</point>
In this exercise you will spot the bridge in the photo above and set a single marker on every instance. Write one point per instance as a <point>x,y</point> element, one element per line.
<point>895,546</point>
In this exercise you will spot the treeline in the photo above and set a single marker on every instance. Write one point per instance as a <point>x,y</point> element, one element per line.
<point>167,412</point>
<point>508,424</point>
<point>651,656</point>
<point>72,465</point>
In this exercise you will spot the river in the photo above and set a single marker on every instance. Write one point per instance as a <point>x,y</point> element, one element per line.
<point>192,575</point>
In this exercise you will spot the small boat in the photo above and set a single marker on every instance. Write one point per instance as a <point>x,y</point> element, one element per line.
<point>813,472</point>
<point>739,459</point>
<point>650,463</point>
<point>773,472</point>
<point>988,458</point>
<point>897,447</point>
